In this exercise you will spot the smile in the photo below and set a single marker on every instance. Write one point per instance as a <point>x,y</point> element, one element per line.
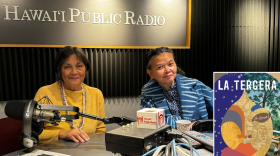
<point>73,78</point>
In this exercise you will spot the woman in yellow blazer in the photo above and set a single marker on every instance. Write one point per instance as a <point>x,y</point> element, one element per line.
<point>70,67</point>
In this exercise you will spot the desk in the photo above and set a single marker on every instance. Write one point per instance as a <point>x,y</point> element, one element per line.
<point>95,147</point>
<point>75,149</point>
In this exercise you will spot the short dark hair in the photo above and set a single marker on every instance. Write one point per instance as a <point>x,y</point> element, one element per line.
<point>63,54</point>
<point>155,52</point>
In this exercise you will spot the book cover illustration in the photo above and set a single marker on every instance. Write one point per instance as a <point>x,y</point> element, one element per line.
<point>246,108</point>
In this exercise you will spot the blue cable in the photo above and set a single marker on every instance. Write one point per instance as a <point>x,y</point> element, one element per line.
<point>189,147</point>
<point>174,148</point>
<point>150,151</point>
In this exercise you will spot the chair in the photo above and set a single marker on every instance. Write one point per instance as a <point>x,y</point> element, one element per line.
<point>10,132</point>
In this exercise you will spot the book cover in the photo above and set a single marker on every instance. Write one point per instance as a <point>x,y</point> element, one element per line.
<point>246,114</point>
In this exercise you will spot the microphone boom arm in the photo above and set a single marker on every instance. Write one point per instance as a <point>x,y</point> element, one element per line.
<point>107,120</point>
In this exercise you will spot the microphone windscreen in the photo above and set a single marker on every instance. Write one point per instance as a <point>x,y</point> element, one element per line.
<point>14,109</point>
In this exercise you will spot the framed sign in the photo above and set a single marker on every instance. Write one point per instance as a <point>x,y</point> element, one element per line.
<point>95,23</point>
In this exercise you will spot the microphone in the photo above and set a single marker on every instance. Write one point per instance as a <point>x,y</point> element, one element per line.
<point>32,114</point>
<point>23,111</point>
<point>15,110</point>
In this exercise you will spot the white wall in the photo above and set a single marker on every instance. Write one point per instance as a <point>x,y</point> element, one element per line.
<point>121,106</point>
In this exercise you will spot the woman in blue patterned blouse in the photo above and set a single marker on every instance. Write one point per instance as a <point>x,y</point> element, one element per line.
<point>182,98</point>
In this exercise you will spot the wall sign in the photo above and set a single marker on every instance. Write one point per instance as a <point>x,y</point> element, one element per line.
<point>95,23</point>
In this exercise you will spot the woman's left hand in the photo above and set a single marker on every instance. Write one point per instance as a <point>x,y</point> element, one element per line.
<point>74,135</point>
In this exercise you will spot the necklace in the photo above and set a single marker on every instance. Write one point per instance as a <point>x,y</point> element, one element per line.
<point>63,97</point>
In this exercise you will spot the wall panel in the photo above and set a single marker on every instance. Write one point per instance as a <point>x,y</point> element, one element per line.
<point>232,35</point>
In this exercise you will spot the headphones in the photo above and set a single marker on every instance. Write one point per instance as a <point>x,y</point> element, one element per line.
<point>31,129</point>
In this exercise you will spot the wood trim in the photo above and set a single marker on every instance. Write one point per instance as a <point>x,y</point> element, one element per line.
<point>89,46</point>
<point>188,35</point>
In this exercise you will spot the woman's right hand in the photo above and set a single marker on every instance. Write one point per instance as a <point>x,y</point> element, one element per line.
<point>74,135</point>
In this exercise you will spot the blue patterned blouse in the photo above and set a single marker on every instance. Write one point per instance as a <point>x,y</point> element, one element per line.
<point>173,100</point>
